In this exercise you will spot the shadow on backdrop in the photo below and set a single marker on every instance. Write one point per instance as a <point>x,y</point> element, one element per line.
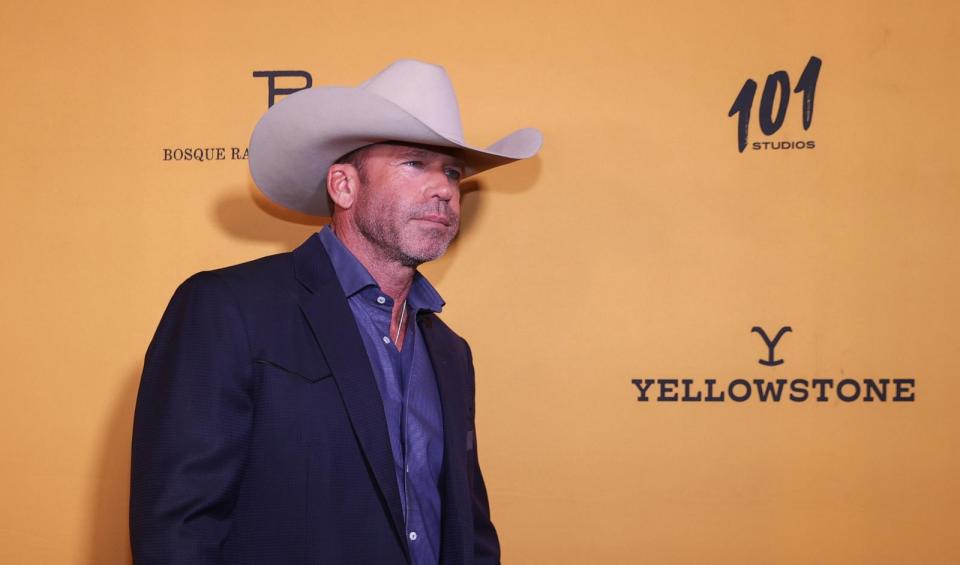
<point>246,214</point>
<point>110,538</point>
<point>506,181</point>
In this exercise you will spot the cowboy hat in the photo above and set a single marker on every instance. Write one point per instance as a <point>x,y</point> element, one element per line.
<point>297,139</point>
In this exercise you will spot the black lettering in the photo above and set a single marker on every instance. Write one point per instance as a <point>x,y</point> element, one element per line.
<point>848,397</point>
<point>766,389</point>
<point>686,392</point>
<point>742,105</point>
<point>778,81</point>
<point>873,388</point>
<point>273,91</point>
<point>822,383</point>
<point>666,388</point>
<point>903,387</point>
<point>643,389</point>
<point>710,396</point>
<point>746,388</point>
<point>808,85</point>
<point>798,390</point>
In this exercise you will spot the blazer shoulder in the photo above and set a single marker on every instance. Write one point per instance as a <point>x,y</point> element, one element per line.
<point>284,275</point>
<point>267,271</point>
<point>254,288</point>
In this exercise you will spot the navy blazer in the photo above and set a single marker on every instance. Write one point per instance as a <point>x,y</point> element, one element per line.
<point>260,437</point>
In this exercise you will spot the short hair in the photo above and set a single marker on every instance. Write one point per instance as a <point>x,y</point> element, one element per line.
<point>357,158</point>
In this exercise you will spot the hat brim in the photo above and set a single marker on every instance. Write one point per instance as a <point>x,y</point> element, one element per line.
<point>297,140</point>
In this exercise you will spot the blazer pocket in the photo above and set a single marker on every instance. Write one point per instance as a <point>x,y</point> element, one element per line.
<point>314,374</point>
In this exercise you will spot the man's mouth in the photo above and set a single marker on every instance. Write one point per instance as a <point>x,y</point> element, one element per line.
<point>435,218</point>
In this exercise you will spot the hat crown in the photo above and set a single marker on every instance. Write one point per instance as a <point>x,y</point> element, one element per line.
<point>423,90</point>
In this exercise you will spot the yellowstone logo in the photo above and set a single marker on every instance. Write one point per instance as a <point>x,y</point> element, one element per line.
<point>775,390</point>
<point>776,86</point>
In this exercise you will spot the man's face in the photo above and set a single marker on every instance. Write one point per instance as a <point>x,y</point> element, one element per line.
<point>408,205</point>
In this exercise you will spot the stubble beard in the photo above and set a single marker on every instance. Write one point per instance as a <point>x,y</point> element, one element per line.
<point>387,238</point>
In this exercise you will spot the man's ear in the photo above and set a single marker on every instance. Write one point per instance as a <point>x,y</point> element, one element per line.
<point>343,182</point>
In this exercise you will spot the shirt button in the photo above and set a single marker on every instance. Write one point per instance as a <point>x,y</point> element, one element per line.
<point>381,300</point>
<point>386,339</point>
<point>413,536</point>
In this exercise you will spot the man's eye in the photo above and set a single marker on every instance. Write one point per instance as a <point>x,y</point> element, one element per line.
<point>454,174</point>
<point>417,164</point>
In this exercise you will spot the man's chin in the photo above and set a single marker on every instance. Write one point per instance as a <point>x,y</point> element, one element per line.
<point>414,258</point>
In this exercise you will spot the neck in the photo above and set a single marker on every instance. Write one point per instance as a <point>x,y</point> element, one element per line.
<point>393,278</point>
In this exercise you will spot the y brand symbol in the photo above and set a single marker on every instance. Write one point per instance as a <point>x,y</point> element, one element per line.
<point>771,344</point>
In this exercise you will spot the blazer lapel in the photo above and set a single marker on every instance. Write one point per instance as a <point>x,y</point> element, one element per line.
<point>336,332</point>
<point>457,517</point>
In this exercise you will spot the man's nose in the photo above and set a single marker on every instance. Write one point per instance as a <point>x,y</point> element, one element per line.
<point>443,187</point>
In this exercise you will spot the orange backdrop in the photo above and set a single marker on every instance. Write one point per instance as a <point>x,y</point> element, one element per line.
<point>640,244</point>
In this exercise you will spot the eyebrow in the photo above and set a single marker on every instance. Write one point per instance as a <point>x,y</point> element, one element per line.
<point>423,154</point>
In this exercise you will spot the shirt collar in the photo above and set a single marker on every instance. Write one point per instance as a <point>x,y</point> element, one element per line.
<point>354,277</point>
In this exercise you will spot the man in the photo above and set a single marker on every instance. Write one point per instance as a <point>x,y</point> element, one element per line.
<point>310,407</point>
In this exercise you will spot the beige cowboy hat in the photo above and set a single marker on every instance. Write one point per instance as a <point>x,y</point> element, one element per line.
<point>297,139</point>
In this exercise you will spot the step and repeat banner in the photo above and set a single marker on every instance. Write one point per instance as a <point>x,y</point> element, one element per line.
<point>712,321</point>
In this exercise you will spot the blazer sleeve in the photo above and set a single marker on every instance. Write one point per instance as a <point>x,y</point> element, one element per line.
<point>486,547</point>
<point>191,427</point>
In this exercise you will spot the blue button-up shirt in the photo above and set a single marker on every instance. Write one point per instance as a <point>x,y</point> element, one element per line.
<point>408,388</point>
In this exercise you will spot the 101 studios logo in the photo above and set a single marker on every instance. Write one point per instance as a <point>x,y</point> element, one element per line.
<point>777,86</point>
